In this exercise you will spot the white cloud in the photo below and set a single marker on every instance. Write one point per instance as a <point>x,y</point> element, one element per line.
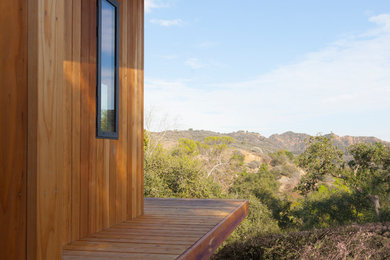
<point>382,20</point>
<point>169,57</point>
<point>194,63</point>
<point>154,4</point>
<point>167,23</point>
<point>207,44</point>
<point>330,88</point>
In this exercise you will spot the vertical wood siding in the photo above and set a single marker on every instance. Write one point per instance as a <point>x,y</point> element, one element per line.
<point>83,184</point>
<point>13,128</point>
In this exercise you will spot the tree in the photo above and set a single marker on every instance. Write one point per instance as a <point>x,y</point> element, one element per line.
<point>237,160</point>
<point>370,171</point>
<point>213,148</point>
<point>321,158</point>
<point>187,146</point>
<point>263,186</point>
<point>368,174</point>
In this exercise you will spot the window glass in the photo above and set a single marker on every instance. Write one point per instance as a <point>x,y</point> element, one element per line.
<point>107,71</point>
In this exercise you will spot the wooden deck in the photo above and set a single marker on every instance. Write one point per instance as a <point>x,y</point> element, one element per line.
<point>169,229</point>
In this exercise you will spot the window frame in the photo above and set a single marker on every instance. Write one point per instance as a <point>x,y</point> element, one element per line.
<point>99,133</point>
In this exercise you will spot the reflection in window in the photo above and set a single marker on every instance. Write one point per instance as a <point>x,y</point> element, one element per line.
<point>107,103</point>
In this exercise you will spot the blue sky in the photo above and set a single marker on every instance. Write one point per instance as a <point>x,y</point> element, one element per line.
<point>268,66</point>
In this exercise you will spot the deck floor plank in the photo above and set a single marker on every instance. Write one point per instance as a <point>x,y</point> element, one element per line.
<point>169,229</point>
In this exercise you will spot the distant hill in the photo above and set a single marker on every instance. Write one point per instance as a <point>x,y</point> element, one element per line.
<point>256,143</point>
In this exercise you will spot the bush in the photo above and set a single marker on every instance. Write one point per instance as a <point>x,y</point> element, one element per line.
<point>334,206</point>
<point>370,241</point>
<point>177,175</point>
<point>258,221</point>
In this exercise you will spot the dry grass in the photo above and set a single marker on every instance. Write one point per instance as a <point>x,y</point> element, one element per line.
<point>369,241</point>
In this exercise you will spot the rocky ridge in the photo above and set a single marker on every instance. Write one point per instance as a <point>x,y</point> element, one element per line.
<point>257,143</point>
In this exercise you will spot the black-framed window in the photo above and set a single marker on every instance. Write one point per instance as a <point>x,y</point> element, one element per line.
<point>107,104</point>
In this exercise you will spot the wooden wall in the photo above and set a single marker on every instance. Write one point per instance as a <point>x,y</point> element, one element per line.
<point>13,128</point>
<point>78,184</point>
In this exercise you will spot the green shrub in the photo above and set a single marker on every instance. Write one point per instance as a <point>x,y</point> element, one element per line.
<point>332,206</point>
<point>258,221</point>
<point>180,175</point>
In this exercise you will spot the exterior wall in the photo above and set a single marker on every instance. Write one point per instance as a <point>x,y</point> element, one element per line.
<point>13,128</point>
<point>78,184</point>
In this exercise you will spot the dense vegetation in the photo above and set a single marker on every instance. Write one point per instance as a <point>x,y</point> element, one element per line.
<point>367,241</point>
<point>338,188</point>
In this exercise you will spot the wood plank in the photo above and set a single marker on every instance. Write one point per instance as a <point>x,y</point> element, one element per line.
<point>162,240</point>
<point>160,234</point>
<point>157,225</point>
<point>167,217</point>
<point>129,76</point>
<point>185,213</point>
<point>106,187</point>
<point>145,236</point>
<point>140,105</point>
<point>179,223</point>
<point>32,158</point>
<point>189,208</point>
<point>93,214</point>
<point>119,237</point>
<point>179,220</point>
<point>132,11</point>
<point>84,117</point>
<point>13,129</point>
<point>172,223</point>
<point>126,247</point>
<point>123,93</point>
<point>76,117</point>
<point>186,202</point>
<point>100,184</point>
<point>160,231</point>
<point>65,20</point>
<point>53,148</point>
<point>73,255</point>
<point>113,185</point>
<point>141,53</point>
